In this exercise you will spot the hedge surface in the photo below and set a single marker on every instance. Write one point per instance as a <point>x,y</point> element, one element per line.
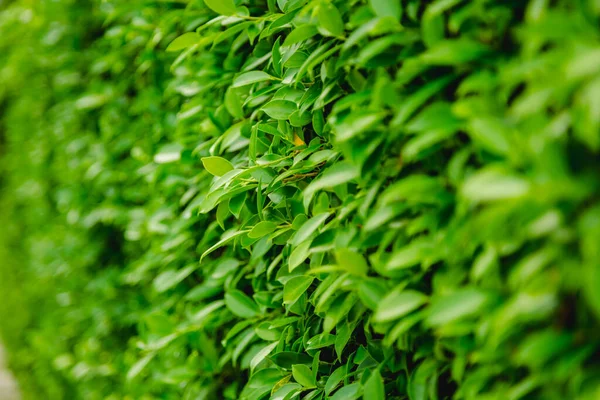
<point>285,199</point>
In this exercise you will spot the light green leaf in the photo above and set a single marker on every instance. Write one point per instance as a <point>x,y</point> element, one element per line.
<point>343,333</point>
<point>374,388</point>
<point>295,287</point>
<point>349,392</point>
<point>334,379</point>
<point>352,262</point>
<point>240,304</point>
<point>410,255</point>
<point>460,304</point>
<point>397,304</point>
<point>335,175</point>
<point>491,134</point>
<point>184,41</point>
<point>330,19</point>
<point>301,33</point>
<point>235,29</point>
<point>139,366</point>
<point>223,7</point>
<point>298,256</point>
<point>320,341</point>
<point>226,238</point>
<point>262,354</point>
<point>356,123</point>
<point>217,166</point>
<point>303,375</point>
<point>493,184</point>
<point>249,78</point>
<point>170,278</point>
<point>280,109</point>
<point>386,8</point>
<point>454,52</point>
<point>233,103</point>
<point>371,292</point>
<point>308,228</point>
<point>168,153</point>
<point>262,229</point>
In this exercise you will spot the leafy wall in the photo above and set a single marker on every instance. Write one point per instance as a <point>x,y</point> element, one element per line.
<point>301,199</point>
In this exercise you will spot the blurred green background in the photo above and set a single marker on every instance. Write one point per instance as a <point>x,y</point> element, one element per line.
<point>490,143</point>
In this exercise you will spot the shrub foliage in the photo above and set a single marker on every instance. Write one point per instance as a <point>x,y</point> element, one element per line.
<point>219,199</point>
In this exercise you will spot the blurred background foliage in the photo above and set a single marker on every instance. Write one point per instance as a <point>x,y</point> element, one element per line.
<point>389,199</point>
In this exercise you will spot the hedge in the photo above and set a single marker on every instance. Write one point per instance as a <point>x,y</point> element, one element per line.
<point>301,199</point>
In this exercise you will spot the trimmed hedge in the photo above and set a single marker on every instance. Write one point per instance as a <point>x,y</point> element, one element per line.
<point>301,199</point>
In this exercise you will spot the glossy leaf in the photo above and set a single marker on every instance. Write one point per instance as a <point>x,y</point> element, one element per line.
<point>223,7</point>
<point>295,287</point>
<point>184,41</point>
<point>330,20</point>
<point>217,166</point>
<point>249,78</point>
<point>280,109</point>
<point>303,375</point>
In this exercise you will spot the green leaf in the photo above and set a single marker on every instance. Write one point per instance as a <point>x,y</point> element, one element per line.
<point>286,391</point>
<point>349,392</point>
<point>240,304</point>
<point>334,379</point>
<point>493,184</point>
<point>397,304</point>
<point>409,256</point>
<point>343,333</point>
<point>374,386</point>
<point>262,229</point>
<point>290,5</point>
<point>491,134</point>
<point>229,32</point>
<point>299,255</point>
<point>262,354</point>
<point>352,262</point>
<point>300,34</point>
<point>330,19</point>
<point>139,366</point>
<point>286,359</point>
<point>386,8</point>
<point>280,109</point>
<point>170,278</point>
<point>540,347</point>
<point>463,303</point>
<point>454,52</point>
<point>295,287</point>
<point>184,41</point>
<point>217,166</point>
<point>249,78</point>
<point>355,124</point>
<point>223,7</point>
<point>335,175</point>
<point>303,375</point>
<point>371,292</point>
<point>320,341</point>
<point>233,103</point>
<point>308,228</point>
<point>168,153</point>
<point>276,57</point>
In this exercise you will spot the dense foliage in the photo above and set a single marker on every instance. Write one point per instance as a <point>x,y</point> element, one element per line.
<point>209,199</point>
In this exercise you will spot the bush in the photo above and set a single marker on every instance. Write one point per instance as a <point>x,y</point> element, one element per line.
<point>301,199</point>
